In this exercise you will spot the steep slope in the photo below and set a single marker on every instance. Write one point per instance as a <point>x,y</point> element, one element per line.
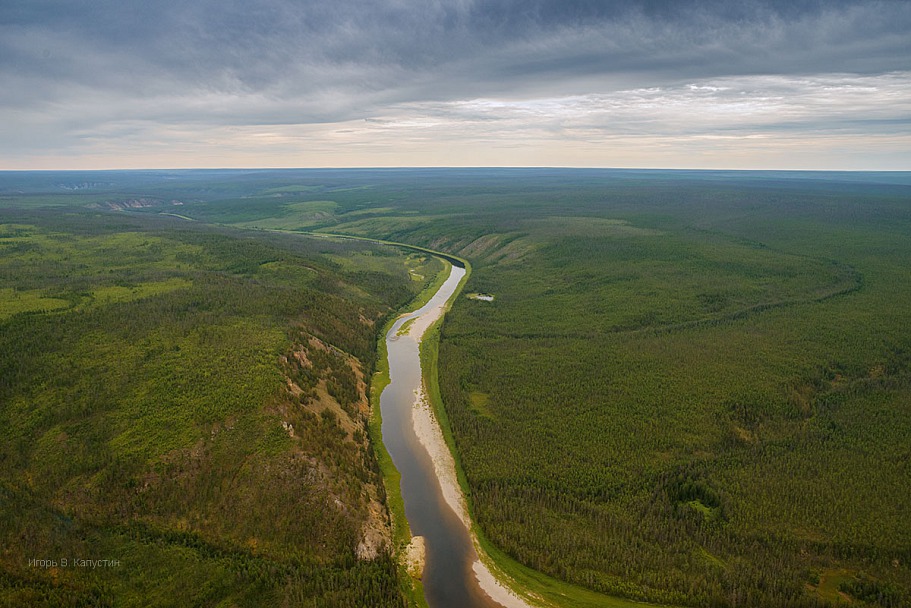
<point>182,414</point>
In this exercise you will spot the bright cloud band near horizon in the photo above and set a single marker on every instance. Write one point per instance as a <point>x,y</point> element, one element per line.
<point>663,84</point>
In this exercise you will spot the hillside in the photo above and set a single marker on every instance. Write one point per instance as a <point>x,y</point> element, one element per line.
<point>189,404</point>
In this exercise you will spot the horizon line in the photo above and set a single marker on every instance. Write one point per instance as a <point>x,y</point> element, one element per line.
<point>452,168</point>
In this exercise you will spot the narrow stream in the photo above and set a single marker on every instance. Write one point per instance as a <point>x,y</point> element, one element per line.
<point>449,581</point>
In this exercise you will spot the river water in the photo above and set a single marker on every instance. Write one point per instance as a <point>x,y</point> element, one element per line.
<point>449,581</point>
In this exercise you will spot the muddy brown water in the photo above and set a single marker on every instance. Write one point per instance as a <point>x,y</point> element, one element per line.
<point>449,581</point>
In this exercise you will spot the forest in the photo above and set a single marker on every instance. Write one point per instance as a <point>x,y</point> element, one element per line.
<point>188,403</point>
<point>690,392</point>
<point>688,388</point>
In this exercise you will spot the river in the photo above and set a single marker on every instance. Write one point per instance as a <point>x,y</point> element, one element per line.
<point>449,581</point>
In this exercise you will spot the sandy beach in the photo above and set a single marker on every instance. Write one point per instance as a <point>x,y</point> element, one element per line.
<point>430,435</point>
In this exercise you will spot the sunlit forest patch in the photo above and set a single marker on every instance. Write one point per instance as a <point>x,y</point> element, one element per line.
<point>298,216</point>
<point>13,301</point>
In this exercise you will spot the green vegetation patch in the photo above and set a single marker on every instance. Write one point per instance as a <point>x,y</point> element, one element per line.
<point>297,216</point>
<point>873,592</point>
<point>479,402</point>
<point>13,301</point>
<point>405,328</point>
<point>294,189</point>
<point>829,584</point>
<point>573,226</point>
<point>122,293</point>
<point>387,226</point>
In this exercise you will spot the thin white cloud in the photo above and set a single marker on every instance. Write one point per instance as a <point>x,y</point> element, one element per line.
<point>744,104</point>
<point>830,121</point>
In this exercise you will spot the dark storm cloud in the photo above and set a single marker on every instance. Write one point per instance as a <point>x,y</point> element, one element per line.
<point>347,55</point>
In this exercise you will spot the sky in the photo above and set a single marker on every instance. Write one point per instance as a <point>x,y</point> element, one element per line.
<point>723,84</point>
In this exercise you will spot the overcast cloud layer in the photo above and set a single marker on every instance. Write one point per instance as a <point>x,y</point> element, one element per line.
<point>675,83</point>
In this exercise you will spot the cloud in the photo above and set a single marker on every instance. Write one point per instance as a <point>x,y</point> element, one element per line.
<point>77,71</point>
<point>735,109</point>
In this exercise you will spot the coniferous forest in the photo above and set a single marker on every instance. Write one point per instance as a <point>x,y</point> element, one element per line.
<point>184,416</point>
<point>687,388</point>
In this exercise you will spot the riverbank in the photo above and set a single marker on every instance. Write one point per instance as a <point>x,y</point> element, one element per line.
<point>401,533</point>
<point>429,433</point>
<point>502,578</point>
<point>512,580</point>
